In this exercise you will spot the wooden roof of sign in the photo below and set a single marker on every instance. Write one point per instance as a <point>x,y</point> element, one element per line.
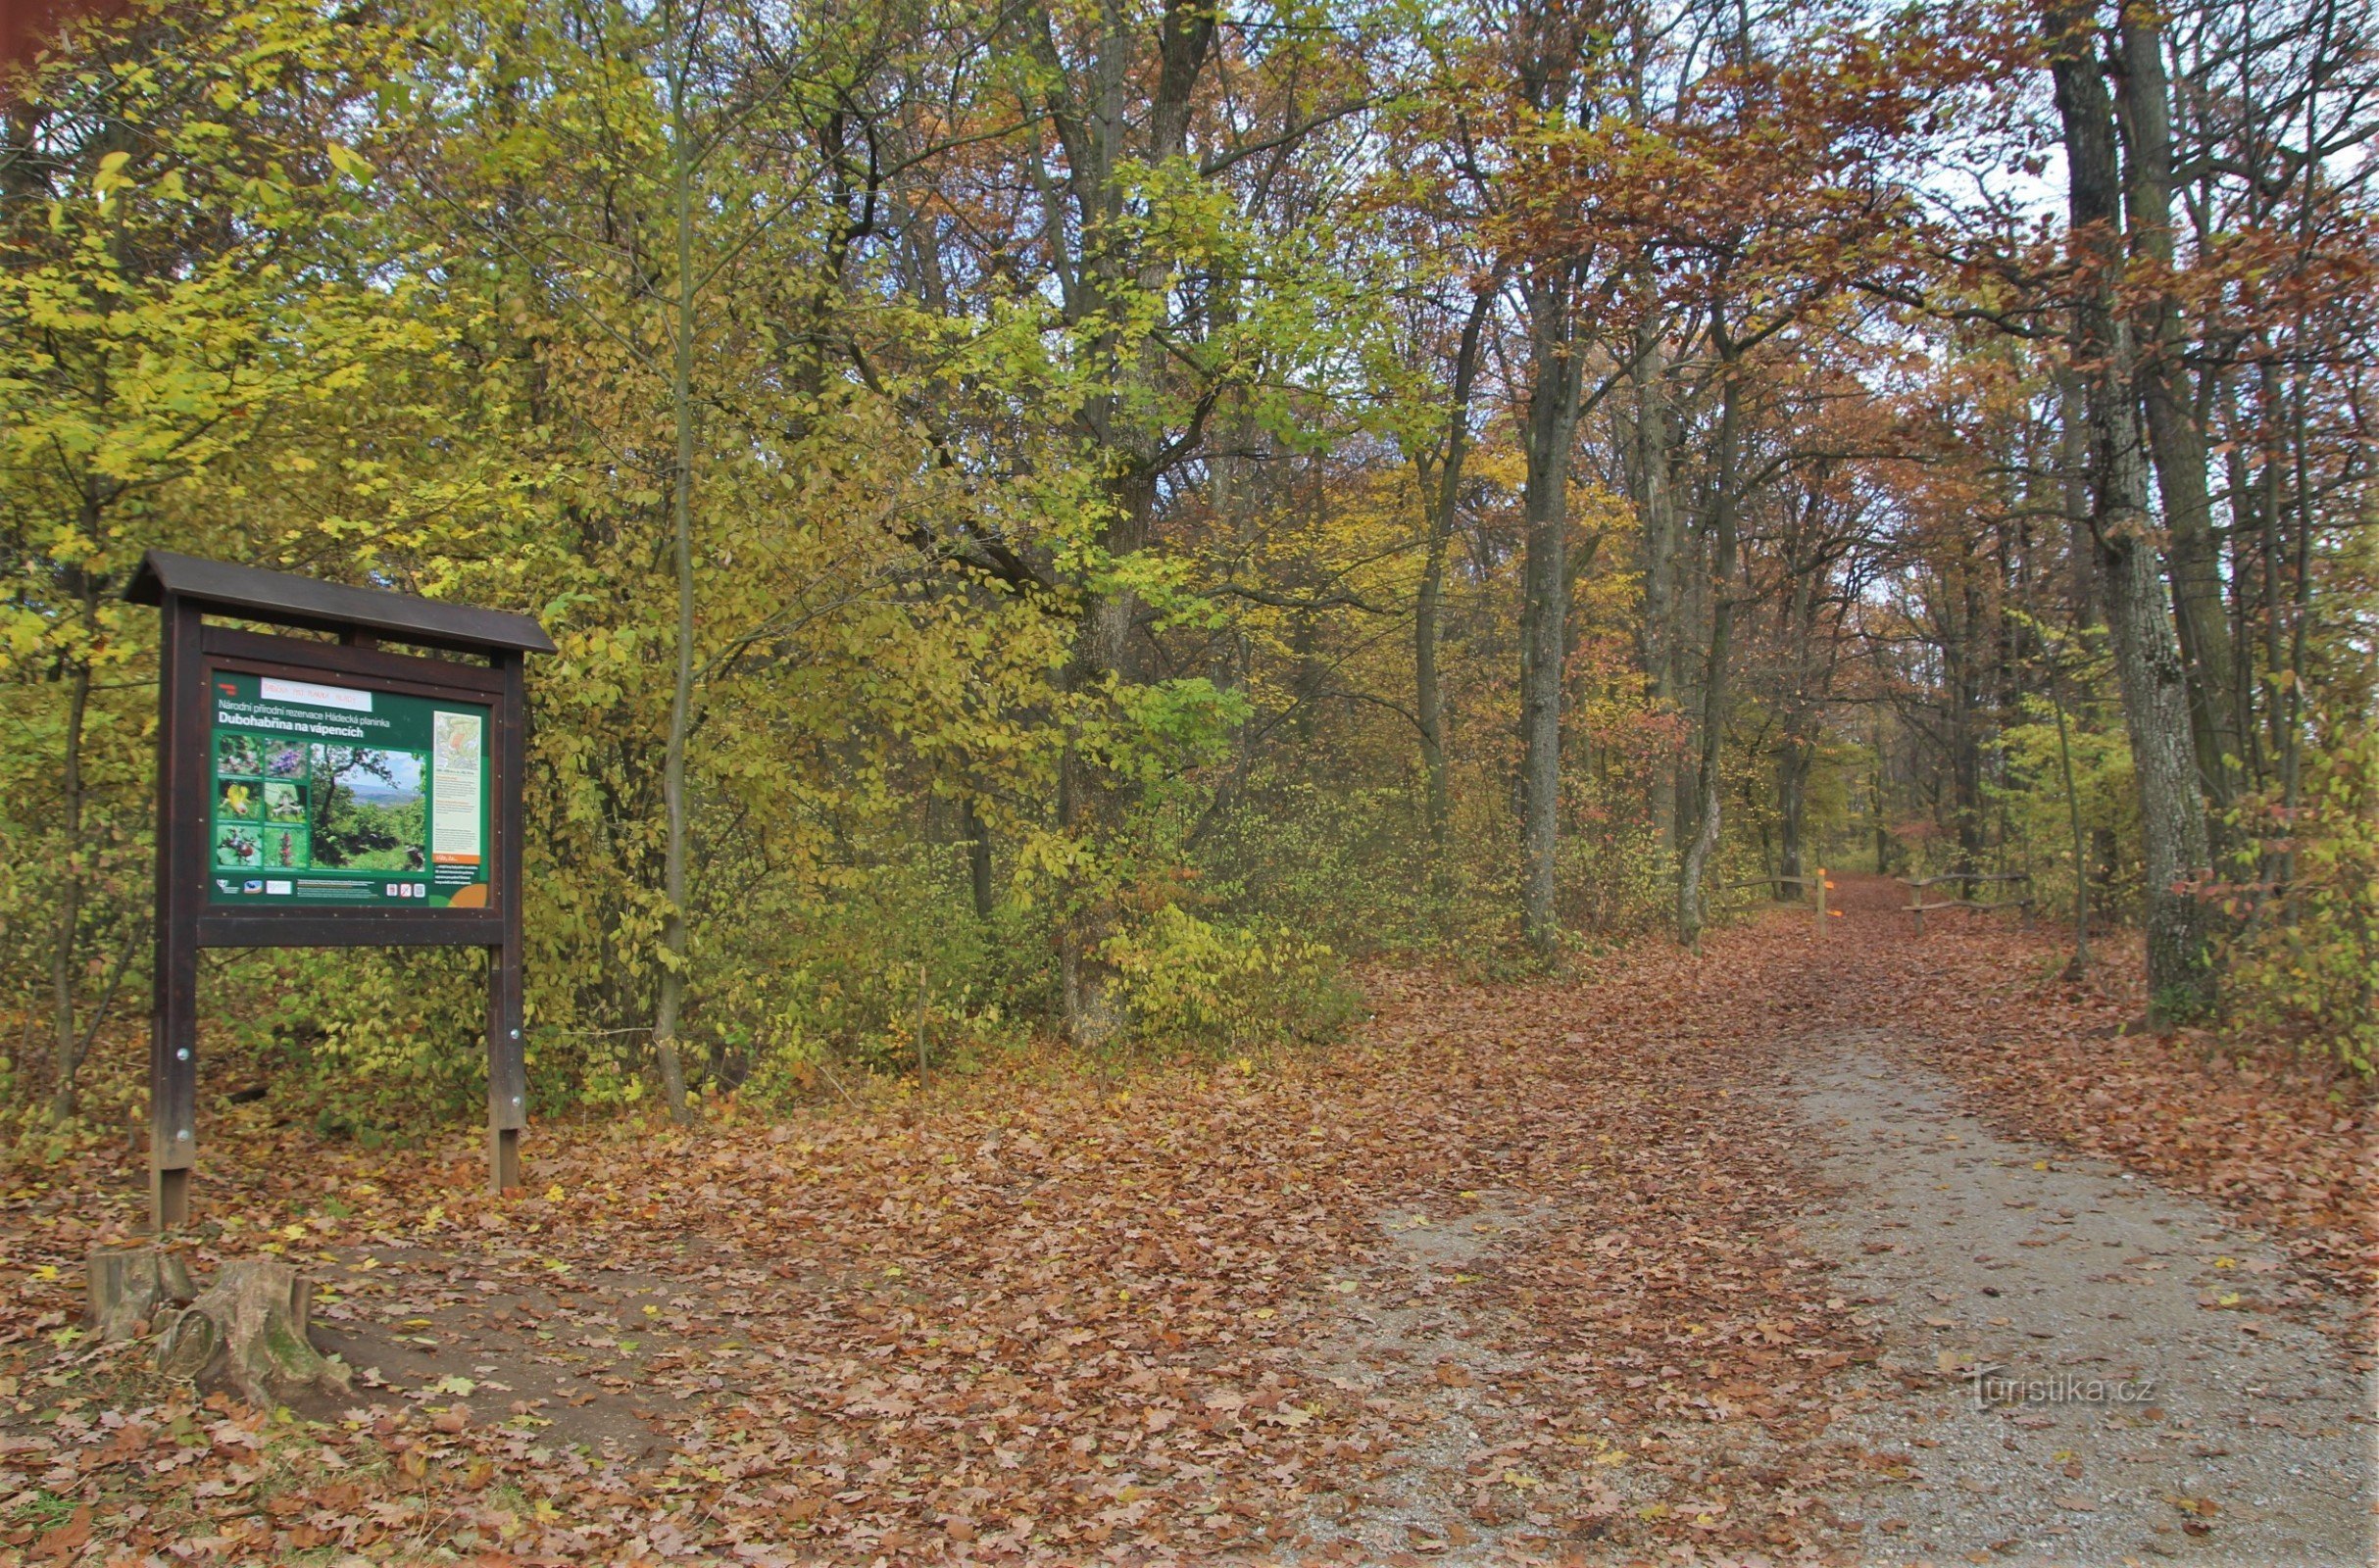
<point>286,599</point>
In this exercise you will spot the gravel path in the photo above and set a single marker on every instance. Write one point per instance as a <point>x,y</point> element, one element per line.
<point>2080,1367</point>
<point>1421,1360</point>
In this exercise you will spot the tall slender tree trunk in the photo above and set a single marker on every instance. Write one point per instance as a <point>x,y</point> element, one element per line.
<point>673,945</point>
<point>1428,698</point>
<point>1087,803</point>
<point>1441,493</point>
<point>1796,751</point>
<point>1792,801</point>
<point>1651,447</point>
<point>2245,535</point>
<point>2147,655</point>
<point>978,858</point>
<point>2071,459</point>
<point>1963,678</point>
<point>1876,802</point>
<point>1095,109</point>
<point>65,946</point>
<point>2073,816</point>
<point>1706,799</point>
<point>1555,379</point>
<point>2176,439</point>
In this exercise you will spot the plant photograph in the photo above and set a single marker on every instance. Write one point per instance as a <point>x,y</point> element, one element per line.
<point>236,754</point>
<point>282,849</point>
<point>238,847</point>
<point>239,798</point>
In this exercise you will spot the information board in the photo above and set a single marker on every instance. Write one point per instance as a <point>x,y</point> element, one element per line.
<point>346,794</point>
<point>355,786</point>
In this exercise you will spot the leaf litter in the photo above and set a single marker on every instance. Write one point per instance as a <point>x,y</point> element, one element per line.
<point>1539,1244</point>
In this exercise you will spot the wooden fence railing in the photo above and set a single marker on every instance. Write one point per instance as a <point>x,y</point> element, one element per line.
<point>1918,907</point>
<point>1815,884</point>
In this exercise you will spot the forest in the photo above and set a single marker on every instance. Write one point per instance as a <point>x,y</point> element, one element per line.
<point>1356,782</point>
<point>1092,524</point>
<point>1106,517</point>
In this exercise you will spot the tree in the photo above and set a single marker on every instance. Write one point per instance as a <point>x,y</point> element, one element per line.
<point>183,287</point>
<point>2147,656</point>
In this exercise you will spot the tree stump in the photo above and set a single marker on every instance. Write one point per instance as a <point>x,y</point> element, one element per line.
<point>129,1288</point>
<point>248,1333</point>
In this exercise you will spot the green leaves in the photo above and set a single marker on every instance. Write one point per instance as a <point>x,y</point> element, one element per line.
<point>348,163</point>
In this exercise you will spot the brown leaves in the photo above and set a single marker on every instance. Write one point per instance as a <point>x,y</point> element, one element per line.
<point>67,1538</point>
<point>1039,1319</point>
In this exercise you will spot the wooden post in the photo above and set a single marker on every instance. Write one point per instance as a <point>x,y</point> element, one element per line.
<point>181,871</point>
<point>1821,901</point>
<point>506,1069</point>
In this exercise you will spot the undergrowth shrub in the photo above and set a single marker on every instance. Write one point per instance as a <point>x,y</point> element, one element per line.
<point>1191,983</point>
<point>2306,969</point>
<point>1350,865</point>
<point>2039,817</point>
<point>368,1043</point>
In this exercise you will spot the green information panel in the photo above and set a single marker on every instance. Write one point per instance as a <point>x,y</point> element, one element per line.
<point>323,794</point>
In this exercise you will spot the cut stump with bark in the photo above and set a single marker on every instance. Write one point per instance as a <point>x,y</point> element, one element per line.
<point>130,1288</point>
<point>247,1331</point>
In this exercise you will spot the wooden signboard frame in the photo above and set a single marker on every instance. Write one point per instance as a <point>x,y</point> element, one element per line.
<point>193,655</point>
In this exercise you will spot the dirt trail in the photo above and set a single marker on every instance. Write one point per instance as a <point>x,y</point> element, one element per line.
<point>2078,1366</point>
<point>2068,1362</point>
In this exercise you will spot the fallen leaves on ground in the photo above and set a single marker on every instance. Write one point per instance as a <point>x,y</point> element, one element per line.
<point>1052,1316</point>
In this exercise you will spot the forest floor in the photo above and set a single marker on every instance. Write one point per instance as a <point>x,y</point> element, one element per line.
<point>1840,1245</point>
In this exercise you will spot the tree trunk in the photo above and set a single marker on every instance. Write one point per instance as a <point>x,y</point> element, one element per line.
<point>2148,659</point>
<point>1883,833</point>
<point>68,1040</point>
<point>2176,441</point>
<point>1442,499</point>
<point>1707,808</point>
<point>1556,374</point>
<point>2245,535</point>
<point>1650,449</point>
<point>1962,670</point>
<point>1095,109</point>
<point>978,858</point>
<point>2080,962</point>
<point>1086,802</point>
<point>1428,701</point>
<point>673,943</point>
<point>1792,793</point>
